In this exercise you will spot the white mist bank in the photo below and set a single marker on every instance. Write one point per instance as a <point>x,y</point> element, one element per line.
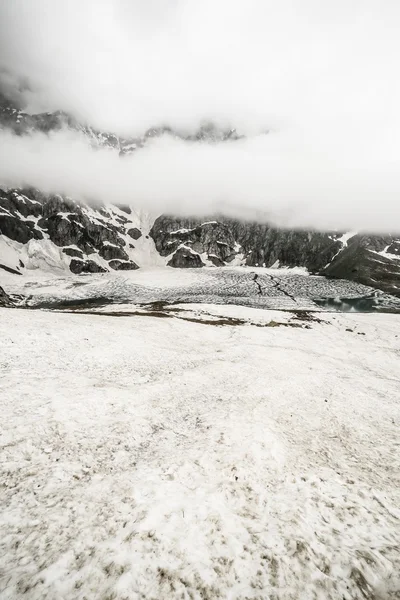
<point>281,177</point>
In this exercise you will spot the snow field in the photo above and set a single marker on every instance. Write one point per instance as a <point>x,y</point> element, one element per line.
<point>156,458</point>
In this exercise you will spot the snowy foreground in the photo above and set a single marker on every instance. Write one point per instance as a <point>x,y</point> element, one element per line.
<point>194,456</point>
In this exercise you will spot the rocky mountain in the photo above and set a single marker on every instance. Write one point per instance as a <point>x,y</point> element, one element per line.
<point>55,231</point>
<point>228,241</point>
<point>370,259</point>
<point>373,260</point>
<point>58,232</point>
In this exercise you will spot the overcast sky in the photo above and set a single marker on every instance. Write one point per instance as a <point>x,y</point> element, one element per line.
<point>320,75</point>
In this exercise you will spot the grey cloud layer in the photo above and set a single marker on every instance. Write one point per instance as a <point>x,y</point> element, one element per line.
<point>266,177</point>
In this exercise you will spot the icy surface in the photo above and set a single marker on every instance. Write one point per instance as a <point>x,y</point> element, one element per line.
<point>257,287</point>
<point>164,458</point>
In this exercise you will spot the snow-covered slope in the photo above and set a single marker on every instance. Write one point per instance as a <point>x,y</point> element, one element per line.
<point>55,232</point>
<point>158,458</point>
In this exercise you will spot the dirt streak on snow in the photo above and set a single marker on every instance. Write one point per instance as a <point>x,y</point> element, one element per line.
<point>158,458</point>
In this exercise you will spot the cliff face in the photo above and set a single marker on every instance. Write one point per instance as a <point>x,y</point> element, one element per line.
<point>5,300</point>
<point>39,230</point>
<point>228,241</point>
<point>212,241</point>
<point>65,232</point>
<point>369,259</point>
<point>373,260</point>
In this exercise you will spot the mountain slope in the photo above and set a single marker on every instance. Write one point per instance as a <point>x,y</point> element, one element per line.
<point>224,241</point>
<point>58,232</point>
<point>372,260</point>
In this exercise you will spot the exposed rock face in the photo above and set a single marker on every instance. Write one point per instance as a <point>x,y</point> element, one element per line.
<point>256,245</point>
<point>85,266</point>
<point>119,265</point>
<point>89,234</point>
<point>21,123</point>
<point>185,258</point>
<point>212,239</point>
<point>371,260</point>
<point>111,252</point>
<point>73,252</point>
<point>5,300</point>
<point>264,245</point>
<point>18,230</point>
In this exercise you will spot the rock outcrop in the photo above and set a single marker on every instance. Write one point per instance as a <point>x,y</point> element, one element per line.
<point>85,266</point>
<point>120,265</point>
<point>5,300</point>
<point>211,240</point>
<point>185,258</point>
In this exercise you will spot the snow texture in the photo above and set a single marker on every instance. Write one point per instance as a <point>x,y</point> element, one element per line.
<point>286,289</point>
<point>161,458</point>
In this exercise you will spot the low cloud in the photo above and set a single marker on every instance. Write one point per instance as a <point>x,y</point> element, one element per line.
<point>276,177</point>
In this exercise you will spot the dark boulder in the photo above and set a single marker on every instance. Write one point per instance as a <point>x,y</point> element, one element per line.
<point>360,261</point>
<point>118,265</point>
<point>19,230</point>
<point>184,258</point>
<point>85,266</point>
<point>210,237</point>
<point>135,233</point>
<point>109,252</point>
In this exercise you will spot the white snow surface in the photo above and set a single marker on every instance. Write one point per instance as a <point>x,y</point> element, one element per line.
<point>346,237</point>
<point>40,255</point>
<point>160,458</point>
<point>386,254</point>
